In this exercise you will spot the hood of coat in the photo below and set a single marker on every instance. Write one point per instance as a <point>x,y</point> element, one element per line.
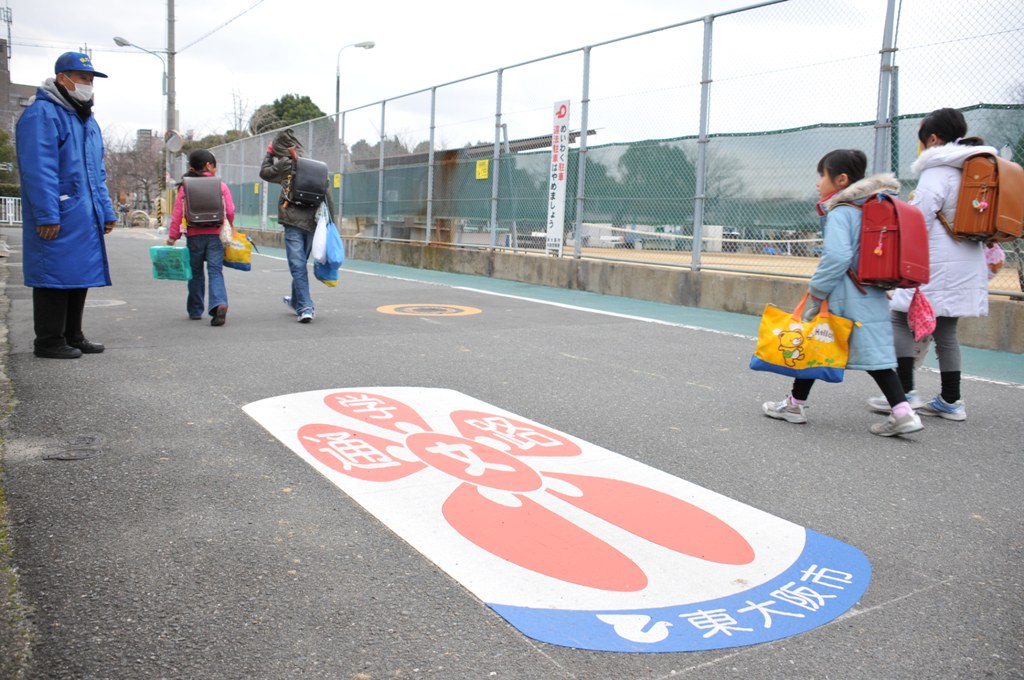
<point>951,154</point>
<point>869,186</point>
<point>49,89</point>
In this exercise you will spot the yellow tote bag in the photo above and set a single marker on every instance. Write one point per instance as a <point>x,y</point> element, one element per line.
<point>817,349</point>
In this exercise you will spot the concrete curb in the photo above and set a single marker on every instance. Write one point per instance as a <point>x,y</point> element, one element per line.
<point>1002,330</point>
<point>16,632</point>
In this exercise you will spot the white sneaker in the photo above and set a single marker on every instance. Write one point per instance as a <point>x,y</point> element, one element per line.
<point>881,404</point>
<point>784,410</point>
<point>894,426</point>
<point>306,317</point>
<point>287,300</point>
<point>943,409</point>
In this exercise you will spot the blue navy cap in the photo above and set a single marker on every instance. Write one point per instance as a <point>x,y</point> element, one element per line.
<point>76,61</point>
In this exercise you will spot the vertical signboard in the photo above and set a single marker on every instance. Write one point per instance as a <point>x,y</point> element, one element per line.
<point>559,170</point>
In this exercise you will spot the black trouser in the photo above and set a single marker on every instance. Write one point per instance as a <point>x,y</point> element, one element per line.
<point>57,313</point>
<point>886,379</point>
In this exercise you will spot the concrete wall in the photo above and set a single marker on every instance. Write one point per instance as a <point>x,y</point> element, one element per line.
<point>1002,330</point>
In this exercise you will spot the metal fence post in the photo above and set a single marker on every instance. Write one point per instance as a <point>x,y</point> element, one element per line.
<point>341,167</point>
<point>430,164</point>
<point>496,156</point>
<point>380,174</point>
<point>702,146</point>
<point>883,119</point>
<point>581,157</point>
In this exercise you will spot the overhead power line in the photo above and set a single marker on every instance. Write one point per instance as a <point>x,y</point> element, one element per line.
<point>209,33</point>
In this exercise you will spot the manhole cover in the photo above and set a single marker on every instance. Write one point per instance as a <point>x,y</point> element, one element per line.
<point>428,310</point>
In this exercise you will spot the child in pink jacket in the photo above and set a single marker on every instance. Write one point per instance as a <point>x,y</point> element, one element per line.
<point>204,245</point>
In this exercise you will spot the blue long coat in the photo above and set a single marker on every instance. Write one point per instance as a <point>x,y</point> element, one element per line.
<point>871,342</point>
<point>63,181</point>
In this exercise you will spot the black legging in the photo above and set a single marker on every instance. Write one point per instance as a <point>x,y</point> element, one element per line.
<point>886,379</point>
<point>947,351</point>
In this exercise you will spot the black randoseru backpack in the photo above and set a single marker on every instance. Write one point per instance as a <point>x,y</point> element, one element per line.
<point>307,184</point>
<point>204,204</point>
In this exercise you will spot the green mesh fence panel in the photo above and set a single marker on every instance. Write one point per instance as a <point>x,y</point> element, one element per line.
<point>643,114</point>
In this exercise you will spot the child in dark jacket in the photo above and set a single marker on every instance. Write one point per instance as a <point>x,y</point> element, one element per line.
<point>298,221</point>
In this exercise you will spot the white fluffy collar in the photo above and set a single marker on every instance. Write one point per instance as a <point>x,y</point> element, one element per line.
<point>869,186</point>
<point>951,154</point>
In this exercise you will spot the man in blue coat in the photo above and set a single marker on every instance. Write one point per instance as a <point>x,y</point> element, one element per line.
<point>66,208</point>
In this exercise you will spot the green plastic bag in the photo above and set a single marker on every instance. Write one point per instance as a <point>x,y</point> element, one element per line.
<point>170,263</point>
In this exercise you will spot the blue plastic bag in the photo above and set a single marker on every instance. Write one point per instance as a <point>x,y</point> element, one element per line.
<point>335,247</point>
<point>326,272</point>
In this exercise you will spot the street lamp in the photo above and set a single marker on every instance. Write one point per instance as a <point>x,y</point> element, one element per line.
<point>366,45</point>
<point>124,42</point>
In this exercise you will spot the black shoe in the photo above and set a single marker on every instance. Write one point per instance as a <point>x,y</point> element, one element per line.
<point>88,347</point>
<point>59,352</point>
<point>220,313</point>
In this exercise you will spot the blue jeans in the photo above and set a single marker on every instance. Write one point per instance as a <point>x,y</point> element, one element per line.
<point>297,244</point>
<point>205,248</point>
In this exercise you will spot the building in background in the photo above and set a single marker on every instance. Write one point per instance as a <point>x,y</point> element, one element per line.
<point>14,97</point>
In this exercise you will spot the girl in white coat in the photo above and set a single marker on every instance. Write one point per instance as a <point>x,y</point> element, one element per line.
<point>958,282</point>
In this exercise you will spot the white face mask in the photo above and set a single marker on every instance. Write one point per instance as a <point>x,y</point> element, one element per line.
<point>81,93</point>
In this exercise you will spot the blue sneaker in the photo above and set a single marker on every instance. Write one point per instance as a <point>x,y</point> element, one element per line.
<point>943,409</point>
<point>306,316</point>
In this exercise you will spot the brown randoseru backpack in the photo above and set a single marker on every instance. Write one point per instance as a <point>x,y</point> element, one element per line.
<point>990,206</point>
<point>307,183</point>
<point>204,204</point>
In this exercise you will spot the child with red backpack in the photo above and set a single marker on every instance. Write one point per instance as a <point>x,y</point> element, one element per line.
<point>843,188</point>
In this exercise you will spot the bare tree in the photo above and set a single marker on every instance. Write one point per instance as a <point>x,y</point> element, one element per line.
<point>133,170</point>
<point>241,111</point>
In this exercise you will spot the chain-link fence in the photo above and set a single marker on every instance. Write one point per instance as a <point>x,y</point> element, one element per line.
<point>693,145</point>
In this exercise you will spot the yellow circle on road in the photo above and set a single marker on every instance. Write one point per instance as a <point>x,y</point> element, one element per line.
<point>428,310</point>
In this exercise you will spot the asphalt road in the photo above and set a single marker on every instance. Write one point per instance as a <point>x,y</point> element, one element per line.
<point>160,532</point>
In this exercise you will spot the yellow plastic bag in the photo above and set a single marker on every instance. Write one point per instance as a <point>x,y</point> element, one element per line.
<point>817,349</point>
<point>238,252</point>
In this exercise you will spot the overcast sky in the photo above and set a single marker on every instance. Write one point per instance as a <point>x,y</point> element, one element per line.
<point>291,46</point>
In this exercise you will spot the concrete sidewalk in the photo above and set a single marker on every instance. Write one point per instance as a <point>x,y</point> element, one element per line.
<point>160,532</point>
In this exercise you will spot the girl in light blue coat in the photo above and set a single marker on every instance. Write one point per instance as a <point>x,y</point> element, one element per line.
<point>841,183</point>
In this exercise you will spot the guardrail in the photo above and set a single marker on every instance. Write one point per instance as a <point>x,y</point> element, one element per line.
<point>10,210</point>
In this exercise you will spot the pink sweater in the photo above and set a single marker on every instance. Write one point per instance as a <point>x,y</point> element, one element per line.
<point>179,211</point>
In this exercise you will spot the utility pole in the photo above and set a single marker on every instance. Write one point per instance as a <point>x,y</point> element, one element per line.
<point>171,104</point>
<point>171,123</point>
